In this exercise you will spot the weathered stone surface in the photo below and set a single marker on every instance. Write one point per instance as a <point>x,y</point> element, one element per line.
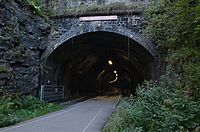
<point>2,82</point>
<point>23,37</point>
<point>60,6</point>
<point>3,76</point>
<point>44,26</point>
<point>127,25</point>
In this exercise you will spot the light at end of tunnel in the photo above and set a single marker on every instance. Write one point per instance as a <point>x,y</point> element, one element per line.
<point>110,62</point>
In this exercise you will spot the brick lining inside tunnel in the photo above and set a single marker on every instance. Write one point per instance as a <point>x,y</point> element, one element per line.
<point>81,64</point>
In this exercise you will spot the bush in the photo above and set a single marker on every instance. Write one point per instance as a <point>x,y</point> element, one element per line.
<point>178,37</point>
<point>14,109</point>
<point>158,107</point>
<point>184,55</point>
<point>192,79</point>
<point>172,104</point>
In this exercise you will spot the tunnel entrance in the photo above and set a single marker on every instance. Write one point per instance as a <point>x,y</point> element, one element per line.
<point>99,63</point>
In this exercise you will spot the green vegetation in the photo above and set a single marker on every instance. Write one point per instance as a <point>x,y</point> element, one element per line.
<point>120,6</point>
<point>173,104</point>
<point>36,5</point>
<point>174,26</point>
<point>158,107</point>
<point>3,69</point>
<point>38,8</point>
<point>15,108</point>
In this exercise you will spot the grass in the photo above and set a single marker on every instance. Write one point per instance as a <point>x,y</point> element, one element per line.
<point>104,8</point>
<point>14,109</point>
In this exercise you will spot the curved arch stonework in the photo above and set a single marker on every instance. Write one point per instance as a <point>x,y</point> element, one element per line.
<point>98,26</point>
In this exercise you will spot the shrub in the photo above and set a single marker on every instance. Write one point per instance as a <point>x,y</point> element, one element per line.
<point>192,79</point>
<point>158,107</point>
<point>178,37</point>
<point>173,103</point>
<point>184,55</point>
<point>14,109</point>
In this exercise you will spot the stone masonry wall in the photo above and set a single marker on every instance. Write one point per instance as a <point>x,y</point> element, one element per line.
<point>67,25</point>
<point>23,38</point>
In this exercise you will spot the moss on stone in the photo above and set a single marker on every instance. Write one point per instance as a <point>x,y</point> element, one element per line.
<point>38,8</point>
<point>3,69</point>
<point>104,8</point>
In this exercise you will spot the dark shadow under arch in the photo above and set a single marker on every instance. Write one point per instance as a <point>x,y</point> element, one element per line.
<point>78,61</point>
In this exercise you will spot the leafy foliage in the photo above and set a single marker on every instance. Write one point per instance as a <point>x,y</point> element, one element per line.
<point>175,28</point>
<point>158,107</point>
<point>38,8</point>
<point>192,79</point>
<point>14,109</point>
<point>173,103</point>
<point>174,23</point>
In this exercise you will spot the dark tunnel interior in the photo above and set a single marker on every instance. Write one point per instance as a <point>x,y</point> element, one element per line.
<point>99,63</point>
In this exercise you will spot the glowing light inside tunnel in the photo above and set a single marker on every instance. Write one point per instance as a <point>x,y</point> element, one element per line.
<point>114,80</point>
<point>110,62</point>
<point>100,66</point>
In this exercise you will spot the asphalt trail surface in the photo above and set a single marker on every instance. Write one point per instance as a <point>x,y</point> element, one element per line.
<point>88,116</point>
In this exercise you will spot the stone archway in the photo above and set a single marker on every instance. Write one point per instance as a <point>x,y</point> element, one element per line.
<point>98,27</point>
<point>69,65</point>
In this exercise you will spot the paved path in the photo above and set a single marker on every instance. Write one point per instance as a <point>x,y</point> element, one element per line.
<point>87,116</point>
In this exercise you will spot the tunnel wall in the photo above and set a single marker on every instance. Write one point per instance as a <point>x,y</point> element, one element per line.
<point>64,52</point>
<point>128,25</point>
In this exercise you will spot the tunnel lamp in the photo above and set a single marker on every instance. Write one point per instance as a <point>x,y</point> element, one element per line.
<point>115,72</point>
<point>116,75</point>
<point>114,80</point>
<point>110,62</point>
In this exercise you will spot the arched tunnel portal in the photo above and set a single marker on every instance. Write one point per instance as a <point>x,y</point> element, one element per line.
<point>99,63</point>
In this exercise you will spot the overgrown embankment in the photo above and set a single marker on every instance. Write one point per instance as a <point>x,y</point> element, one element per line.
<point>15,108</point>
<point>158,107</point>
<point>173,103</point>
